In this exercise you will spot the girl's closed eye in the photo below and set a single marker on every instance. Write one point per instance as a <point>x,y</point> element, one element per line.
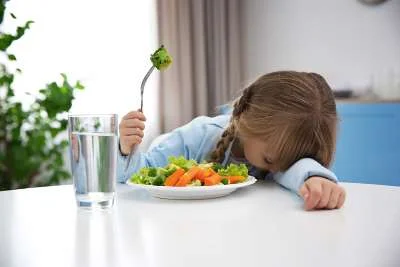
<point>268,161</point>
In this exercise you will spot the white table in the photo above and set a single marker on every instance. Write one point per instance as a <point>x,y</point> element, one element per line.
<point>263,225</point>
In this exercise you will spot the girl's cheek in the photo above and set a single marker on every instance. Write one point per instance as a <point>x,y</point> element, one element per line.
<point>254,160</point>
<point>249,154</point>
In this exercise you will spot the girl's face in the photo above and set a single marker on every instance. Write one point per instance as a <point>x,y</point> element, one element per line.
<point>258,153</point>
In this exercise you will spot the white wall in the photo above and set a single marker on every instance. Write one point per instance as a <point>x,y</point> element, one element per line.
<point>344,40</point>
<point>105,44</point>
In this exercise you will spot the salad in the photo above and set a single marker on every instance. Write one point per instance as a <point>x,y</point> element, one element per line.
<point>182,172</point>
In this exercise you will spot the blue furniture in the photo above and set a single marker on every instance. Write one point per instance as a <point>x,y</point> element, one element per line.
<point>368,145</point>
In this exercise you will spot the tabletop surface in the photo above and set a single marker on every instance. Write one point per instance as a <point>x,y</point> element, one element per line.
<point>262,225</point>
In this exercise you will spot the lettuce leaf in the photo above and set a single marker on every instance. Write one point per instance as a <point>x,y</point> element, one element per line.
<point>234,170</point>
<point>181,162</point>
<point>150,176</point>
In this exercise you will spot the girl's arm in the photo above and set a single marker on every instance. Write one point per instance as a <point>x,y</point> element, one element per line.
<point>294,177</point>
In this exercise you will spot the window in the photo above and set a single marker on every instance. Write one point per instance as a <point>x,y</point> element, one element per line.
<point>104,44</point>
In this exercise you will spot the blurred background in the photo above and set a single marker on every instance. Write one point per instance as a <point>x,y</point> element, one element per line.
<point>218,47</point>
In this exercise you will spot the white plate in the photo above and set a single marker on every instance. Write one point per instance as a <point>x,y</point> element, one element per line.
<point>193,192</point>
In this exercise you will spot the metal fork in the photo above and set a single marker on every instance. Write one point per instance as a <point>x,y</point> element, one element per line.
<point>141,110</point>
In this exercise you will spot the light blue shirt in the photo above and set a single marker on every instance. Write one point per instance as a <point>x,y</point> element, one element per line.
<point>196,140</point>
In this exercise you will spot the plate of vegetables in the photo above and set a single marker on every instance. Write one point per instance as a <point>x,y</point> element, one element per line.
<point>187,179</point>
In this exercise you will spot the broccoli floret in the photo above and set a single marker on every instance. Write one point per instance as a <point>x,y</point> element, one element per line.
<point>216,167</point>
<point>167,171</point>
<point>159,180</point>
<point>137,179</point>
<point>225,181</point>
<point>161,59</point>
<point>149,171</point>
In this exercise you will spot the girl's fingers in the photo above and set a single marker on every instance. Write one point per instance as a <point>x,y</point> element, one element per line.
<point>132,140</point>
<point>132,123</point>
<point>128,142</point>
<point>326,195</point>
<point>315,190</point>
<point>333,201</point>
<point>304,192</point>
<point>134,115</point>
<point>342,198</point>
<point>131,131</point>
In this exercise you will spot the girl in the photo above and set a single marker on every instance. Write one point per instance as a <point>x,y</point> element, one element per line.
<point>283,127</point>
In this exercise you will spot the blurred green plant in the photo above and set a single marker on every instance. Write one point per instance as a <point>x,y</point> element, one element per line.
<point>31,147</point>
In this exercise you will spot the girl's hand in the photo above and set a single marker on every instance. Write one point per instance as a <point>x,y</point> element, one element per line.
<point>321,193</point>
<point>131,131</point>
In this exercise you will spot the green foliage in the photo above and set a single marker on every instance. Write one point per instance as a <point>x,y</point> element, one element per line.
<point>30,140</point>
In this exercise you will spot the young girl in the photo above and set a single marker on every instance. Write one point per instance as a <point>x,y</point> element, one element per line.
<point>283,127</point>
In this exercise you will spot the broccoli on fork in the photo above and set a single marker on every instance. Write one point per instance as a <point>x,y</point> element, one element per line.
<point>161,59</point>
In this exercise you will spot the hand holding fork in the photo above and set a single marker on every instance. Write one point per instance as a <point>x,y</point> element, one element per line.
<point>132,124</point>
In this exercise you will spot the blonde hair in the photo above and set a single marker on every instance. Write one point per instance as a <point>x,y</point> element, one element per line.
<point>293,112</point>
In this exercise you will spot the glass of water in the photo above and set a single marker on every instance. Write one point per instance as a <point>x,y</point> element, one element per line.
<point>93,143</point>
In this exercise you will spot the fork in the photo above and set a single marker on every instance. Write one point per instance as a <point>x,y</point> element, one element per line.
<point>146,77</point>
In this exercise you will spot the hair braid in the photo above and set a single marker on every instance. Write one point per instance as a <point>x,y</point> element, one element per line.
<point>227,137</point>
<point>239,106</point>
<point>242,104</point>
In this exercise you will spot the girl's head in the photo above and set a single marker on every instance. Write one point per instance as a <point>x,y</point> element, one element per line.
<point>282,117</point>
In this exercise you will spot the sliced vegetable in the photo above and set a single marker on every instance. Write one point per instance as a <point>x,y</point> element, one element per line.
<point>212,180</point>
<point>203,173</point>
<point>174,178</point>
<point>209,172</point>
<point>188,176</point>
<point>236,179</point>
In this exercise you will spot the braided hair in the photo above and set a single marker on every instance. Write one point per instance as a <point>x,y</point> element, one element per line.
<point>229,134</point>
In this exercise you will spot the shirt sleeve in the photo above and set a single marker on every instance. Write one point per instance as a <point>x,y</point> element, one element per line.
<point>294,177</point>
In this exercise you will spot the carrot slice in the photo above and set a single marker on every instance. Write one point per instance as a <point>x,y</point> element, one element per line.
<point>188,176</point>
<point>209,172</point>
<point>203,173</point>
<point>212,180</point>
<point>235,179</point>
<point>174,177</point>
